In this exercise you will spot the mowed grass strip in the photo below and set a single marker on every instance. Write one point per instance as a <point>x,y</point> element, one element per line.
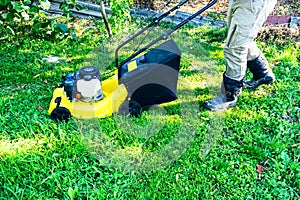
<point>41,159</point>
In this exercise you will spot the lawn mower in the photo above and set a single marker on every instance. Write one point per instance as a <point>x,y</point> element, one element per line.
<point>140,81</point>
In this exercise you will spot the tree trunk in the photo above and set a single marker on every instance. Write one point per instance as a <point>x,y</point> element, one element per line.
<point>105,18</point>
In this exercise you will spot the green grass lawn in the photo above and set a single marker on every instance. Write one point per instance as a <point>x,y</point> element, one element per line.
<point>175,151</point>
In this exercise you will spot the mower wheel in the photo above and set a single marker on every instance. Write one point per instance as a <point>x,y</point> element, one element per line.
<point>60,114</point>
<point>130,107</point>
<point>135,108</point>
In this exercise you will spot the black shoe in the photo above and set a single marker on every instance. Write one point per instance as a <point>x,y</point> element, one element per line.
<point>230,90</point>
<point>262,74</point>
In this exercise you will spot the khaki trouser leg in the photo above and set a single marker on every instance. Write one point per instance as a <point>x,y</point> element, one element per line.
<point>245,18</point>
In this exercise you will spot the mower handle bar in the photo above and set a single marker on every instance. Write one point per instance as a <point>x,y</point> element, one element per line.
<point>155,21</point>
<point>164,36</point>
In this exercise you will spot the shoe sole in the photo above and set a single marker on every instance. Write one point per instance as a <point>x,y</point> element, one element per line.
<point>229,105</point>
<point>267,81</point>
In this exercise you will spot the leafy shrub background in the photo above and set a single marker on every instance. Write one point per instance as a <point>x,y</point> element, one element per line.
<point>29,16</point>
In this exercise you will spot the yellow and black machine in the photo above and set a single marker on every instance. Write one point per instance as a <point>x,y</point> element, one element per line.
<point>140,81</point>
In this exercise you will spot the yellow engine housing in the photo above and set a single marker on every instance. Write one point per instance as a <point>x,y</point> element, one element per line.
<point>114,96</point>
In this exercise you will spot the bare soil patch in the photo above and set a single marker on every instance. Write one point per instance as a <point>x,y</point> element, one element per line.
<point>283,7</point>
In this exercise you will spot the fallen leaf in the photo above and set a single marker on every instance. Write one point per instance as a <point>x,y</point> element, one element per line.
<point>41,108</point>
<point>205,118</point>
<point>36,76</point>
<point>45,81</point>
<point>24,87</point>
<point>295,145</point>
<point>259,169</point>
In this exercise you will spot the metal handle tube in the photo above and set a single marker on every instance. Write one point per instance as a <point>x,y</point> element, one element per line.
<point>155,21</point>
<point>191,17</point>
<point>166,34</point>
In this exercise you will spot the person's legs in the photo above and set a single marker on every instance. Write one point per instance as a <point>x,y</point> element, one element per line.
<point>245,18</point>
